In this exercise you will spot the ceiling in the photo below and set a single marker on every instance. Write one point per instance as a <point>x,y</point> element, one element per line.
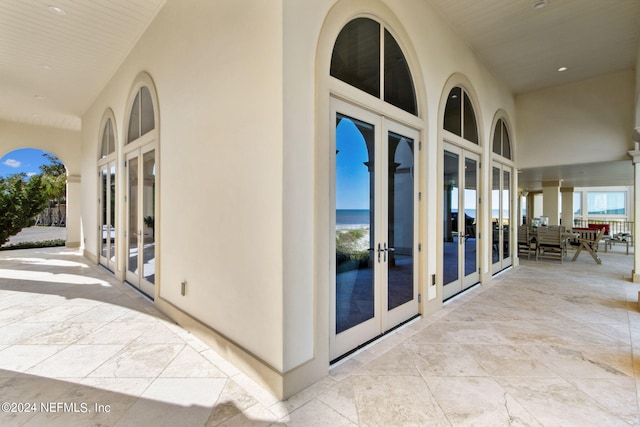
<point>53,66</point>
<point>525,47</point>
<point>603,174</point>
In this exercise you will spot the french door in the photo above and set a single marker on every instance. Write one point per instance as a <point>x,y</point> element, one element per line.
<point>376,286</point>
<point>500,217</point>
<point>107,209</point>
<point>140,219</point>
<point>460,260</point>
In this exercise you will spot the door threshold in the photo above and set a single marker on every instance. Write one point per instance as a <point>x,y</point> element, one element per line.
<point>140,291</point>
<point>364,346</point>
<point>460,294</point>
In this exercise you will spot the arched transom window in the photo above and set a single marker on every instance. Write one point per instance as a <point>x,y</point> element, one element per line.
<point>141,120</point>
<point>108,140</point>
<point>459,117</point>
<point>357,54</point>
<point>501,141</point>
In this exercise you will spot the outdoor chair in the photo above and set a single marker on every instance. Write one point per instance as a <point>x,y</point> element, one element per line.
<point>589,240</point>
<point>550,243</point>
<point>526,242</point>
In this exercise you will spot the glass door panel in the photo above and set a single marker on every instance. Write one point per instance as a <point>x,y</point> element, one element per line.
<point>460,245</point>
<point>500,217</point>
<point>355,218</point>
<point>398,267</point>
<point>450,203</point>
<point>375,285</point>
<point>132,216</point>
<point>470,213</point>
<point>506,215</point>
<point>141,220</point>
<point>107,232</point>
<point>495,215</point>
<point>148,218</point>
<point>112,217</point>
<point>400,213</point>
<point>104,209</point>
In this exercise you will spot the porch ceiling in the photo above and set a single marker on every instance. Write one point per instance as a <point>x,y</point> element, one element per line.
<point>525,46</point>
<point>52,65</point>
<point>57,55</point>
<point>603,174</point>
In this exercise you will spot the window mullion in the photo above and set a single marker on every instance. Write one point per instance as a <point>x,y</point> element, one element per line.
<point>381,62</point>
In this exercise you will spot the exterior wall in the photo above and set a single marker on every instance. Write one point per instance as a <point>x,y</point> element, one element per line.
<point>217,71</point>
<point>585,122</point>
<point>437,57</point>
<point>65,145</point>
<point>637,116</point>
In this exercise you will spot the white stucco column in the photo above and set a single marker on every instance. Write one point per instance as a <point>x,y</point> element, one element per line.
<point>567,206</point>
<point>74,235</point>
<point>551,201</point>
<point>635,157</point>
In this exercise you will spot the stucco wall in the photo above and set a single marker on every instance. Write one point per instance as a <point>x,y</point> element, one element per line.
<point>588,121</point>
<point>637,123</point>
<point>65,145</point>
<point>217,69</point>
<point>435,54</point>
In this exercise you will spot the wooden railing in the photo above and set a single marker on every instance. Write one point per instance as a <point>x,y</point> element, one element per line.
<point>615,226</point>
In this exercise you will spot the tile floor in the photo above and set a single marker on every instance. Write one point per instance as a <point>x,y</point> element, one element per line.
<point>545,344</point>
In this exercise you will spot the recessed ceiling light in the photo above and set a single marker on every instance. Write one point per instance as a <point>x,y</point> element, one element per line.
<point>539,4</point>
<point>561,69</point>
<point>57,10</point>
<point>38,96</point>
<point>46,67</point>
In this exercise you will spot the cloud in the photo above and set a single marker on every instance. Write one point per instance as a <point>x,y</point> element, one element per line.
<point>12,163</point>
<point>30,174</point>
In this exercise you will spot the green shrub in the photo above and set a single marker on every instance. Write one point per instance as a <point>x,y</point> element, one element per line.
<point>21,199</point>
<point>349,253</point>
<point>32,245</point>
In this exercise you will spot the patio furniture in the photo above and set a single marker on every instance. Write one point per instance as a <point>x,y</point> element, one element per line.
<point>526,242</point>
<point>622,238</point>
<point>550,243</point>
<point>589,240</point>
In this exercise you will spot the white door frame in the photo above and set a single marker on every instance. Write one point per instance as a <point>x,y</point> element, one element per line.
<point>383,319</point>
<point>503,262</point>
<point>136,277</point>
<point>463,281</point>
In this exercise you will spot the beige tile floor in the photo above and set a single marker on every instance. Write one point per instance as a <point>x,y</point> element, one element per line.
<point>543,345</point>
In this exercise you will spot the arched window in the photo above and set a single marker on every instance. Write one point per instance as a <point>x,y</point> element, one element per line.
<point>501,141</point>
<point>356,58</point>
<point>459,117</point>
<point>141,120</point>
<point>140,183</point>
<point>107,201</point>
<point>108,140</point>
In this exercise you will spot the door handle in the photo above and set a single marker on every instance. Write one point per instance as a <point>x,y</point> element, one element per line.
<point>382,250</point>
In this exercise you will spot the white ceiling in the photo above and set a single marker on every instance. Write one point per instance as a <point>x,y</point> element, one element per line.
<point>52,67</point>
<point>524,46</point>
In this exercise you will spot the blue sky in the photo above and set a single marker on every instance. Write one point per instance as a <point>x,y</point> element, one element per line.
<point>352,176</point>
<point>27,160</point>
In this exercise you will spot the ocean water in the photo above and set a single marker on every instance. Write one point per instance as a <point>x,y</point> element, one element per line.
<point>352,216</point>
<point>361,216</point>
